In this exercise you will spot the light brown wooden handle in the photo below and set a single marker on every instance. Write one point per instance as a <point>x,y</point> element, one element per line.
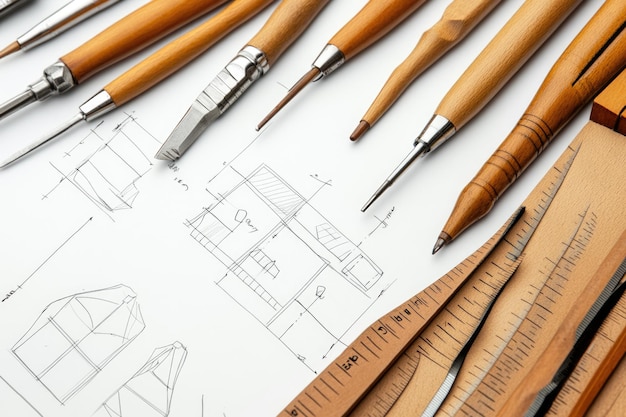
<point>181,51</point>
<point>513,45</point>
<point>285,25</point>
<point>134,32</point>
<point>371,23</point>
<point>588,64</point>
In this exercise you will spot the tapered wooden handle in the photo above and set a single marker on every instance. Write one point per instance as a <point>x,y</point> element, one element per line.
<point>588,64</point>
<point>181,51</point>
<point>134,32</point>
<point>285,25</point>
<point>371,23</point>
<point>513,45</point>
<point>459,18</point>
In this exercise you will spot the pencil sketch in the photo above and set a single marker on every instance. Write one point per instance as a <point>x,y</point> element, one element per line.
<point>12,403</point>
<point>105,167</point>
<point>287,265</point>
<point>75,337</point>
<point>149,392</point>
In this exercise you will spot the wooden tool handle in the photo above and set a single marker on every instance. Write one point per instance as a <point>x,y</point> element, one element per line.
<point>134,32</point>
<point>181,51</point>
<point>371,23</point>
<point>285,25</point>
<point>609,108</point>
<point>458,19</point>
<point>513,45</point>
<point>589,63</point>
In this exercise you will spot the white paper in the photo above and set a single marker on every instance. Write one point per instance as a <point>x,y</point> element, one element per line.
<point>220,284</point>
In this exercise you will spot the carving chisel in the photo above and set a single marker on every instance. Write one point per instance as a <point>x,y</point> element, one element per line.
<point>64,18</point>
<point>156,67</point>
<point>136,31</point>
<point>255,59</point>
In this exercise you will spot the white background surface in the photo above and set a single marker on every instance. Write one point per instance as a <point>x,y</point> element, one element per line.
<point>234,364</point>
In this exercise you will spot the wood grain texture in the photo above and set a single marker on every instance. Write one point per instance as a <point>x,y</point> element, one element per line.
<point>134,32</point>
<point>505,54</point>
<point>588,64</point>
<point>609,108</point>
<point>181,51</point>
<point>371,23</point>
<point>285,25</point>
<point>458,19</point>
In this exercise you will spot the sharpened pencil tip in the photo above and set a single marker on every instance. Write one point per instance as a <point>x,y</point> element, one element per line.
<point>14,47</point>
<point>312,74</point>
<point>360,130</point>
<point>442,240</point>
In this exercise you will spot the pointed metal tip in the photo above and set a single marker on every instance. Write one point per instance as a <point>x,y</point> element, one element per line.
<point>187,131</point>
<point>307,78</point>
<point>441,242</point>
<point>377,194</point>
<point>57,132</point>
<point>14,47</point>
<point>360,130</point>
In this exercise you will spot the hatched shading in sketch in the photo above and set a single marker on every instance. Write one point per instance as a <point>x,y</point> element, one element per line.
<point>75,337</point>
<point>106,166</point>
<point>287,265</point>
<point>149,392</point>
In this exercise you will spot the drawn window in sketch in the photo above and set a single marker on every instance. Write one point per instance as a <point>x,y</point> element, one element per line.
<point>75,337</point>
<point>149,392</point>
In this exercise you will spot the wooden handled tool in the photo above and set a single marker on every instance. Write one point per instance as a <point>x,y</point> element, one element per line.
<point>134,32</point>
<point>178,53</point>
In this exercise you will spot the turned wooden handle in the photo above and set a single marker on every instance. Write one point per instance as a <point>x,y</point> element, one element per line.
<point>588,64</point>
<point>285,25</point>
<point>181,51</point>
<point>134,32</point>
<point>371,23</point>
<point>513,45</point>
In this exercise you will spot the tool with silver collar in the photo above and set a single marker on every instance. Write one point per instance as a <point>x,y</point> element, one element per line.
<point>131,34</point>
<point>253,60</point>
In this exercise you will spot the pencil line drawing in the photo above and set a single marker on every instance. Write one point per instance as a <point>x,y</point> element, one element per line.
<point>12,403</point>
<point>286,264</point>
<point>9,294</point>
<point>106,168</point>
<point>149,392</point>
<point>75,337</point>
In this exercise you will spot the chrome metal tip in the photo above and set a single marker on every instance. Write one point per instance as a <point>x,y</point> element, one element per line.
<point>16,103</point>
<point>377,194</point>
<point>441,242</point>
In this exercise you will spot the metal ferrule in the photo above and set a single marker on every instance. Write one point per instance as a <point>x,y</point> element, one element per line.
<point>67,16</point>
<point>57,79</point>
<point>97,105</point>
<point>328,60</point>
<point>437,131</point>
<point>232,81</point>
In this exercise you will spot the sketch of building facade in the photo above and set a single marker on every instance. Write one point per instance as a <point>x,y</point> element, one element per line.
<point>74,338</point>
<point>286,264</point>
<point>149,392</point>
<point>105,168</point>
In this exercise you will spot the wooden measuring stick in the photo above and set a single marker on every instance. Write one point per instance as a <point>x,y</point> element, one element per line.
<point>343,383</point>
<point>588,64</point>
<point>178,53</point>
<point>593,184</point>
<point>595,366</point>
<point>563,340</point>
<point>134,32</point>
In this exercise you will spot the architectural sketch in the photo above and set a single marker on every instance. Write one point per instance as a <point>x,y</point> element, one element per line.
<point>12,403</point>
<point>105,167</point>
<point>148,392</point>
<point>75,337</point>
<point>286,264</point>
